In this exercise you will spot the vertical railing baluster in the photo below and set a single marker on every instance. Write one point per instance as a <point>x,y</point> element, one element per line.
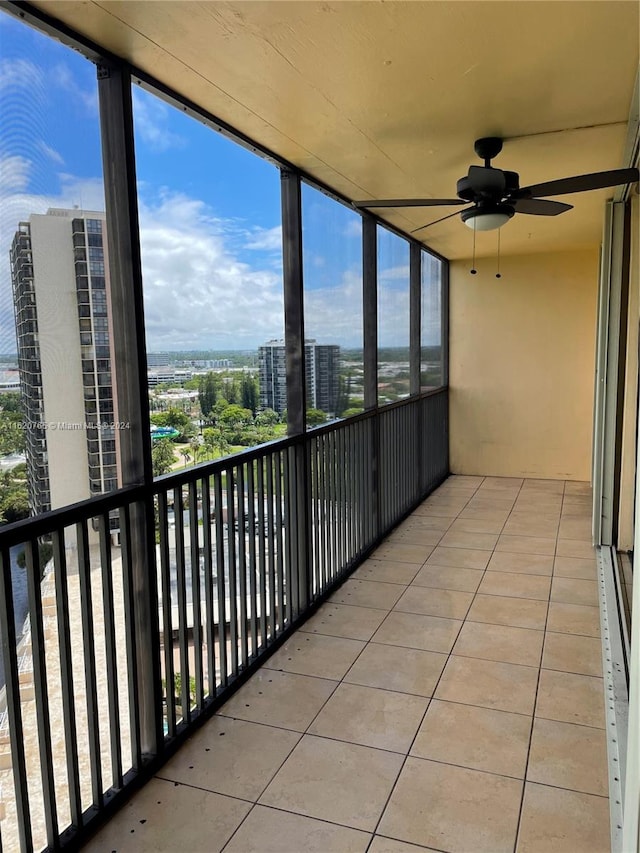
<point>242,567</point>
<point>252,522</point>
<point>167,615</point>
<point>335,524</point>
<point>315,517</point>
<point>14,708</point>
<point>110,650</point>
<point>326,515</point>
<point>361,509</point>
<point>41,690</point>
<point>208,586</point>
<point>84,573</point>
<point>220,580</point>
<point>130,636</point>
<point>280,621</point>
<point>271,556</point>
<point>66,677</point>
<point>233,570</point>
<point>288,556</point>
<point>352,483</point>
<point>183,626</point>
<point>338,454</point>
<point>262,563</point>
<point>196,609</point>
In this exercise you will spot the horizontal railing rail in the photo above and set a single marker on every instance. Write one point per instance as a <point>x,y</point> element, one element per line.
<point>238,552</point>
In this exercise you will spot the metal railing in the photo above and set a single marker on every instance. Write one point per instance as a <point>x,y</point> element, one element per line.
<point>238,552</point>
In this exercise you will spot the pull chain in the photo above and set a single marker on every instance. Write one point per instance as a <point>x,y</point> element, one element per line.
<point>473,269</point>
<point>498,273</point>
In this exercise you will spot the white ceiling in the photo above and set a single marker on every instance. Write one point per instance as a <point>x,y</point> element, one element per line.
<point>385,99</point>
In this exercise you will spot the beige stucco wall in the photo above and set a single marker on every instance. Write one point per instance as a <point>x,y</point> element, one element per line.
<point>522,355</point>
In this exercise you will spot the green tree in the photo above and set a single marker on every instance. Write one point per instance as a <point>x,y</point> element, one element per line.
<point>215,440</point>
<point>186,455</point>
<point>207,394</point>
<point>249,393</point>
<point>267,417</point>
<point>218,409</point>
<point>178,420</point>
<point>315,417</point>
<point>209,442</point>
<point>195,446</point>
<point>14,497</point>
<point>162,457</point>
<point>12,439</point>
<point>11,402</point>
<point>235,416</point>
<point>344,392</point>
<point>45,553</point>
<point>230,390</point>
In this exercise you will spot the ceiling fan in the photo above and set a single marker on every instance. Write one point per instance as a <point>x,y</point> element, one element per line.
<point>495,195</point>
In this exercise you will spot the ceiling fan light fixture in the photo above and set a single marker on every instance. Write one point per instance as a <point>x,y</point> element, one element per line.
<point>487,219</point>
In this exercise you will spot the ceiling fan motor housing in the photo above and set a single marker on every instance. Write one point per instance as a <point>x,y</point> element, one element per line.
<point>498,184</point>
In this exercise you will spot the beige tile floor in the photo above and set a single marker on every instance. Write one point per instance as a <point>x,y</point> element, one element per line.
<point>448,697</point>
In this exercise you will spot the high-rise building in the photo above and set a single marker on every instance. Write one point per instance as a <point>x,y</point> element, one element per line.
<point>60,279</point>
<point>321,373</point>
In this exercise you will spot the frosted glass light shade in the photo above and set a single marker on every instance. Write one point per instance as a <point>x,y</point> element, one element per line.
<point>487,221</point>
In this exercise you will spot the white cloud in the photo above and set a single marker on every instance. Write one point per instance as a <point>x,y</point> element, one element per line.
<point>71,82</point>
<point>198,293</point>
<point>334,314</point>
<point>19,74</point>
<point>151,121</point>
<point>397,273</point>
<point>353,227</point>
<point>50,152</point>
<point>14,174</point>
<point>266,239</point>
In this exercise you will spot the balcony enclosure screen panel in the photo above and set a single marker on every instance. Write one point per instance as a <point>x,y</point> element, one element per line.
<point>211,245</point>
<point>332,275</point>
<point>431,333</point>
<point>57,418</point>
<point>59,431</point>
<point>393,317</point>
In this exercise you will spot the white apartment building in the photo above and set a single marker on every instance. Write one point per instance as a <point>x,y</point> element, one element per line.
<point>60,280</point>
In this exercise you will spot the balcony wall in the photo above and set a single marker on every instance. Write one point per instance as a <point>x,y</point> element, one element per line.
<point>522,355</point>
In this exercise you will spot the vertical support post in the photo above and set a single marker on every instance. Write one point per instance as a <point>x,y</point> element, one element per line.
<point>370,310</point>
<point>370,331</point>
<point>611,346</point>
<point>293,301</point>
<point>444,344</point>
<point>415,364</point>
<point>415,306</point>
<point>444,321</point>
<point>298,540</point>
<point>125,277</point>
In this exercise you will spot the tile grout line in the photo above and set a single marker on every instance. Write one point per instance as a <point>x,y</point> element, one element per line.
<point>535,700</point>
<point>432,697</point>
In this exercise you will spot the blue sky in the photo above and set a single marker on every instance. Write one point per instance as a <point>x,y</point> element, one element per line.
<point>209,212</point>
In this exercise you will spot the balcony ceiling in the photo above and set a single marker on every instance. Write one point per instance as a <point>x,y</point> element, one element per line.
<point>386,99</point>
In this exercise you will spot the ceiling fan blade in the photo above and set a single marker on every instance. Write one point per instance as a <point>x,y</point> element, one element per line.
<point>487,180</point>
<point>435,222</point>
<point>407,202</point>
<point>580,183</point>
<point>540,206</point>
